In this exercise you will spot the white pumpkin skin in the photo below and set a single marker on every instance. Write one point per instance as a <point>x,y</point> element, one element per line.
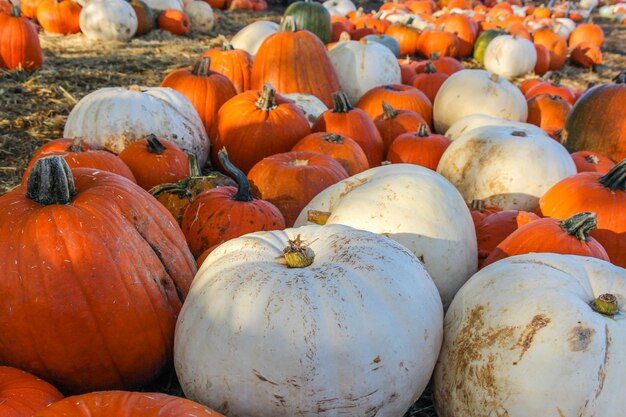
<point>342,7</point>
<point>112,118</point>
<point>361,66</point>
<point>510,56</point>
<point>311,106</point>
<point>108,20</point>
<point>358,330</point>
<point>521,340</point>
<point>474,91</point>
<point>165,4</point>
<point>252,36</point>
<point>474,121</point>
<point>505,167</point>
<point>201,16</point>
<point>414,206</point>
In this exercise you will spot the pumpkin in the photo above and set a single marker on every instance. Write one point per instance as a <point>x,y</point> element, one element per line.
<point>597,122</point>
<point>21,393</point>
<point>480,46</point>
<point>510,56</point>
<point>461,26</point>
<point>311,106</point>
<point>234,64</point>
<point>256,124</point>
<point>543,60</point>
<point>390,200</point>
<point>146,21</point>
<point>386,41</point>
<point>474,121</point>
<point>240,5</point>
<point>477,91</point>
<point>290,180</point>
<point>342,149</point>
<point>604,195</point>
<point>445,44</point>
<point>314,288</point>
<point>430,81</point>
<point>252,36</point>
<point>155,162</point>
<point>201,16</point>
<point>402,97</point>
<point>480,211</point>
<point>586,54</point>
<point>406,35</point>
<point>567,237</point>
<point>161,5</point>
<point>554,88</point>
<point>116,270</point>
<point>207,90</point>
<point>360,33</point>
<point>342,6</point>
<point>586,32</point>
<point>56,16</point>
<point>120,403</point>
<point>108,20</point>
<point>6,7</point>
<point>28,8</point>
<point>19,43</point>
<point>531,325</point>
<point>506,167</point>
<point>445,64</point>
<point>343,119</point>
<point>546,110</point>
<point>555,44</point>
<point>353,60</point>
<point>174,21</point>
<point>393,123</point>
<point>311,16</point>
<point>589,161</point>
<point>126,115</point>
<point>420,148</point>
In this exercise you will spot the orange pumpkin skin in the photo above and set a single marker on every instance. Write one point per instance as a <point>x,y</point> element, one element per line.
<point>543,60</point>
<point>5,7</point>
<point>406,35</point>
<point>443,43</point>
<point>430,81</point>
<point>21,393</point>
<point>496,227</point>
<point>400,97</point>
<point>461,26</point>
<point>256,124</point>
<point>393,123</point>
<point>123,404</point>
<point>234,64</point>
<point>419,148</point>
<point>59,16</point>
<point>290,180</point>
<point>588,161</point>
<point>207,90</point>
<point>545,110</point>
<point>155,161</point>
<point>19,43</point>
<point>586,55</point>
<point>174,21</point>
<point>555,44</point>
<point>358,34</point>
<point>338,28</point>
<point>29,8</point>
<point>342,149</point>
<point>586,32</point>
<point>604,195</point>
<point>529,83</point>
<point>479,211</point>
<point>217,4</point>
<point>115,269</point>
<point>444,64</point>
<point>553,88</point>
<point>145,17</point>
<point>567,237</point>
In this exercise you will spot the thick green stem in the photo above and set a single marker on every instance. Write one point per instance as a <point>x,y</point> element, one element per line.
<point>615,179</point>
<point>605,304</point>
<point>434,56</point>
<point>580,225</point>
<point>422,132</point>
<point>430,68</point>
<point>51,182</point>
<point>341,103</point>
<point>154,145</point>
<point>194,167</point>
<point>267,98</point>
<point>243,185</point>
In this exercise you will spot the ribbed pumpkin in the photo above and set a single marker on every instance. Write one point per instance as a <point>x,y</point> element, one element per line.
<point>555,44</point>
<point>95,273</point>
<point>234,64</point>
<point>155,161</point>
<point>19,43</point>
<point>461,26</point>
<point>419,148</point>
<point>28,8</point>
<point>290,180</point>
<point>554,88</point>
<point>586,55</point>
<point>604,195</point>
<point>21,393</point>
<point>393,123</point>
<point>256,124</point>
<point>445,64</point>
<point>429,82</point>
<point>586,32</point>
<point>480,46</point>
<point>342,149</point>
<point>56,16</point>
<point>295,61</point>
<point>146,21</point>
<point>444,43</point>
<point>546,110</point>
<point>207,90</point>
<point>566,237</point>
<point>311,16</point>
<point>401,97</point>
<point>407,36</point>
<point>589,161</point>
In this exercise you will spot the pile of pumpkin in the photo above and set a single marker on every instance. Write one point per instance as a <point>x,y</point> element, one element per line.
<point>389,223</point>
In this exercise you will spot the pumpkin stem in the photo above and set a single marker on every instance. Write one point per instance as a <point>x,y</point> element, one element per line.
<point>341,102</point>
<point>620,78</point>
<point>605,304</point>
<point>615,179</point>
<point>15,11</point>
<point>297,254</point>
<point>288,24</point>
<point>430,68</point>
<point>592,159</point>
<point>172,188</point>
<point>434,56</point>
<point>243,185</point>
<point>194,167</point>
<point>333,138</point>
<point>267,98</point>
<point>388,111</point>
<point>344,37</point>
<point>318,216</point>
<point>410,21</point>
<point>201,67</point>
<point>154,145</point>
<point>78,145</point>
<point>422,132</point>
<point>580,225</point>
<point>494,77</point>
<point>50,182</point>
<point>478,205</point>
<point>226,45</point>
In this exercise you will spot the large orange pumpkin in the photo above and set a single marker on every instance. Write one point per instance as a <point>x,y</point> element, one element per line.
<point>400,97</point>
<point>393,123</point>
<point>555,44</point>
<point>439,41</point>
<point>462,27</point>
<point>19,43</point>
<point>234,64</point>
<point>342,149</point>
<point>59,16</point>
<point>21,393</point>
<point>407,36</point>
<point>546,110</point>
<point>586,32</point>
<point>420,148</point>
<point>430,81</point>
<point>586,54</point>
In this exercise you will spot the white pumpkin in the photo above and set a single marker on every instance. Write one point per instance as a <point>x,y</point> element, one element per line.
<point>342,7</point>
<point>165,4</point>
<point>311,106</point>
<point>587,4</point>
<point>504,166</point>
<point>252,36</point>
<point>510,56</point>
<point>474,121</point>
<point>358,330</point>
<point>108,20</point>
<point>519,10</point>
<point>416,207</point>
<point>473,91</point>
<point>522,339</point>
<point>201,16</point>
<point>113,117</point>
<point>362,65</point>
<point>564,27</point>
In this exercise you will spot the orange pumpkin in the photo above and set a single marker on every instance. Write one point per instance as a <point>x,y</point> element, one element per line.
<point>586,54</point>
<point>586,32</point>
<point>420,148</point>
<point>445,64</point>
<point>342,149</point>
<point>479,211</point>
<point>217,4</point>
<point>5,7</point>
<point>21,393</point>
<point>400,97</point>
<point>588,161</point>
<point>430,81</point>
<point>444,43</point>
<point>393,123</point>
<point>145,17</point>
<point>234,64</point>
<point>462,27</point>
<point>19,43</point>
<point>554,88</point>
<point>406,35</point>
<point>28,8</point>
<point>555,44</point>
<point>545,110</point>
<point>543,60</point>
<point>59,16</point>
<point>174,21</point>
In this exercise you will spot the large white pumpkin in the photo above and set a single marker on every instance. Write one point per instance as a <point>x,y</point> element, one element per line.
<point>113,117</point>
<point>165,4</point>
<point>504,166</point>
<point>252,36</point>
<point>510,56</point>
<point>521,339</point>
<point>108,20</point>
<point>311,106</point>
<point>473,121</point>
<point>355,333</point>
<point>201,16</point>
<point>474,91</point>
<point>416,207</point>
<point>362,65</point>
<point>339,7</point>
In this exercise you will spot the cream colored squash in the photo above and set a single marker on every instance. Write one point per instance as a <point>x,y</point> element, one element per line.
<point>522,339</point>
<point>341,7</point>
<point>564,27</point>
<point>473,121</point>
<point>414,206</point>
<point>311,106</point>
<point>504,166</point>
<point>510,56</point>
<point>477,91</point>
<point>108,20</point>
<point>362,65</point>
<point>252,36</point>
<point>165,4</point>
<point>113,117</point>
<point>201,16</point>
<point>355,333</point>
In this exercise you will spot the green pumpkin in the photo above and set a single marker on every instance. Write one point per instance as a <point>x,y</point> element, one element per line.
<point>313,17</point>
<point>480,46</point>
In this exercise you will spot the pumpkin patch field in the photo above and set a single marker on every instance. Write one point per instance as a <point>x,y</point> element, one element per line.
<point>266,208</point>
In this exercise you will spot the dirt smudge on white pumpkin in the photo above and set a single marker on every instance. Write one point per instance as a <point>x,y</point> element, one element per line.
<point>580,338</point>
<point>528,335</point>
<point>351,185</point>
<point>602,369</point>
<point>262,378</point>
